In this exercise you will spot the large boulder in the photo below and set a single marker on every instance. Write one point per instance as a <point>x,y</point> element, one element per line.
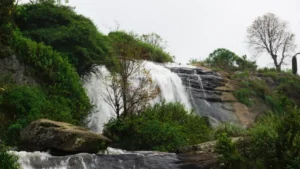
<point>61,137</point>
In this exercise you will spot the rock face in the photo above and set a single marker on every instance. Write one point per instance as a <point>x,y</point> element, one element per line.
<point>17,71</point>
<point>211,95</point>
<point>62,137</point>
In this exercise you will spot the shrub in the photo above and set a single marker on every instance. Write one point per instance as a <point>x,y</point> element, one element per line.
<point>226,59</point>
<point>73,35</point>
<point>149,52</point>
<point>8,160</point>
<point>21,105</point>
<point>163,127</point>
<point>228,150</point>
<point>231,129</point>
<point>244,96</point>
<point>275,140</point>
<point>60,80</point>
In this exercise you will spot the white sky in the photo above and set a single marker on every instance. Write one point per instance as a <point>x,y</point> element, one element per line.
<point>192,28</point>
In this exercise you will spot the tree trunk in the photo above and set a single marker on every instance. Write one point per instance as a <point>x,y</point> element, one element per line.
<point>277,66</point>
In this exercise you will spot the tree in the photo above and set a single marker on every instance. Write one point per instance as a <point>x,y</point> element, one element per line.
<point>154,40</point>
<point>269,34</point>
<point>228,60</point>
<point>130,86</point>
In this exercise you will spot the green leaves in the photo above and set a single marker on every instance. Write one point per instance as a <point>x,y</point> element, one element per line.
<point>70,34</point>
<point>226,59</point>
<point>8,160</point>
<point>163,127</point>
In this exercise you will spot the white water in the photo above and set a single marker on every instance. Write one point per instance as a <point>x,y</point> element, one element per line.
<point>96,88</point>
<point>27,158</point>
<point>170,84</point>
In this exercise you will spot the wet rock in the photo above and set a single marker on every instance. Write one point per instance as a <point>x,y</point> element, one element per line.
<point>61,137</point>
<point>209,93</point>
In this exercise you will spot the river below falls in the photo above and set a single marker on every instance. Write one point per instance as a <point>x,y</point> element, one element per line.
<point>117,160</point>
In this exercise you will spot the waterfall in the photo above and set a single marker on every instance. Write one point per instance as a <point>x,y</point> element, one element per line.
<point>96,88</point>
<point>170,84</point>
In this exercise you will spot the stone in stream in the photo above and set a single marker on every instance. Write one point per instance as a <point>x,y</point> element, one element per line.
<point>62,138</point>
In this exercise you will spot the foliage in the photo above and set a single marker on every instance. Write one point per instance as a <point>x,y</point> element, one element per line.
<point>163,127</point>
<point>275,140</point>
<point>130,86</point>
<point>225,59</point>
<point>228,150</point>
<point>231,129</point>
<point>61,81</point>
<point>148,50</point>
<point>60,95</point>
<point>6,26</point>
<point>73,35</point>
<point>22,104</point>
<point>8,160</point>
<point>154,39</point>
<point>243,95</point>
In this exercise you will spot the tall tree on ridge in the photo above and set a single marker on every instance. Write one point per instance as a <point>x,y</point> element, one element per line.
<point>269,34</point>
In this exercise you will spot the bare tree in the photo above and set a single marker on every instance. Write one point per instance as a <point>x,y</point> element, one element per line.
<point>269,34</point>
<point>131,87</point>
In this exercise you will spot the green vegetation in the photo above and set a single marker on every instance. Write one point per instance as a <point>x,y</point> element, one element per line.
<point>7,160</point>
<point>57,47</point>
<point>228,151</point>
<point>271,144</point>
<point>6,26</point>
<point>163,127</point>
<point>148,51</point>
<point>225,59</point>
<point>273,141</point>
<point>73,35</point>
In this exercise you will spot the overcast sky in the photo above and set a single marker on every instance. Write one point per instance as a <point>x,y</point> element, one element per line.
<point>192,28</point>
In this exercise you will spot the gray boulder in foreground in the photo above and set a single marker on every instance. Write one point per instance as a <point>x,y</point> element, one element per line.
<point>45,134</point>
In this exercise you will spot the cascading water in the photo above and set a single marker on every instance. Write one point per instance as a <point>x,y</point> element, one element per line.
<point>169,83</point>
<point>180,84</point>
<point>96,88</point>
<point>116,160</point>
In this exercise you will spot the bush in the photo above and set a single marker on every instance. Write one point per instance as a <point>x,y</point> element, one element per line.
<point>73,35</point>
<point>226,59</point>
<point>228,150</point>
<point>60,80</point>
<point>275,141</point>
<point>163,127</point>
<point>149,52</point>
<point>8,160</point>
<point>21,105</point>
<point>244,96</point>
<point>231,129</point>
<point>60,95</point>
